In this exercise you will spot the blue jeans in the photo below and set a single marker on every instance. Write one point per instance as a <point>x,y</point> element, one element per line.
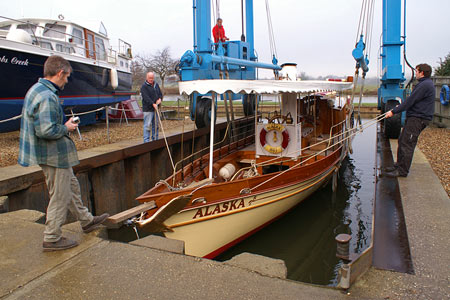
<point>151,120</point>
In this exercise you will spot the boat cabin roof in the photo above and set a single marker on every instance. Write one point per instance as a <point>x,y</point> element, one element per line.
<point>221,86</point>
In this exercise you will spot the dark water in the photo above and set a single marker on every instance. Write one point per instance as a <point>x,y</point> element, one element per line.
<point>305,237</point>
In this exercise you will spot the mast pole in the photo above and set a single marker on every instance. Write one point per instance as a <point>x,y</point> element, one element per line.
<point>211,138</point>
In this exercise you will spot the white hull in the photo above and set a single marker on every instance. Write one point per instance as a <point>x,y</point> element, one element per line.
<point>209,230</point>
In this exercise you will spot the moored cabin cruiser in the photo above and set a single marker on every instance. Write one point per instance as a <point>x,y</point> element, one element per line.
<point>101,76</point>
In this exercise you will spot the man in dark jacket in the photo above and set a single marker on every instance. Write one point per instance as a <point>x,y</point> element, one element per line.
<point>419,109</point>
<point>151,98</point>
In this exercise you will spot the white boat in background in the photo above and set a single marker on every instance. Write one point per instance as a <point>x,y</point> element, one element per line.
<point>101,75</point>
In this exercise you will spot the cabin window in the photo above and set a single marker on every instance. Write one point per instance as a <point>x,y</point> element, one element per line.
<point>30,28</point>
<point>46,45</point>
<point>126,64</point>
<point>121,63</point>
<point>77,36</point>
<point>5,27</point>
<point>100,47</point>
<point>63,48</point>
<point>53,30</point>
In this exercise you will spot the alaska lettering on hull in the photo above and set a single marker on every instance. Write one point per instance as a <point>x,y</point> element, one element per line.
<point>219,208</point>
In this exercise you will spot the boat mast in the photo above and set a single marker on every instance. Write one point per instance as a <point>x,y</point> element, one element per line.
<point>211,138</point>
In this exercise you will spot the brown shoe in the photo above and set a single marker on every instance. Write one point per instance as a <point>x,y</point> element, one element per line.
<point>62,244</point>
<point>95,223</point>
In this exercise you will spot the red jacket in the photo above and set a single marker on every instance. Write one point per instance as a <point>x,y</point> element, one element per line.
<point>219,33</point>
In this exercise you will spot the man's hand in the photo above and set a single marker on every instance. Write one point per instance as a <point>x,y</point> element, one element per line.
<point>389,114</point>
<point>71,126</point>
<point>155,106</point>
<point>158,101</point>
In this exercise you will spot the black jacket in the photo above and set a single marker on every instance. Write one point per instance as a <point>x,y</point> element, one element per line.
<point>421,102</point>
<point>150,93</point>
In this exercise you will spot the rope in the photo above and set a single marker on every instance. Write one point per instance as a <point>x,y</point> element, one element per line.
<point>11,119</point>
<point>273,47</point>
<point>165,138</point>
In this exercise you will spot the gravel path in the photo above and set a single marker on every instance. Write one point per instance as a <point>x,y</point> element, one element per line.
<point>434,143</point>
<point>93,136</point>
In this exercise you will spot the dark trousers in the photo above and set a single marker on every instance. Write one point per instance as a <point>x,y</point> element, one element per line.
<point>407,143</point>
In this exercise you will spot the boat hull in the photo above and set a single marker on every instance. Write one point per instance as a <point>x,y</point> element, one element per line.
<point>209,230</point>
<point>89,85</point>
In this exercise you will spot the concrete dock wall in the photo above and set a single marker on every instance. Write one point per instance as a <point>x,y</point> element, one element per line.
<point>110,176</point>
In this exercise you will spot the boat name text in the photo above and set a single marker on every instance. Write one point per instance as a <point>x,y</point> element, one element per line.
<point>14,61</point>
<point>219,208</point>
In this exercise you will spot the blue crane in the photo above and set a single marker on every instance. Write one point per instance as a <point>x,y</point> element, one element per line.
<point>229,60</point>
<point>392,90</point>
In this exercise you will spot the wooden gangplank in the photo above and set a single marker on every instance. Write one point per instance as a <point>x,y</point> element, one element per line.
<point>125,215</point>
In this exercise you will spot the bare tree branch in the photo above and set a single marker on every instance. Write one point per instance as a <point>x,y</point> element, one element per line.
<point>160,62</point>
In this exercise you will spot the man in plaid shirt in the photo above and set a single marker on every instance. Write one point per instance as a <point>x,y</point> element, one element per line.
<point>44,140</point>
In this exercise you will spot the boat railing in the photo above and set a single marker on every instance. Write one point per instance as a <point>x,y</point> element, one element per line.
<point>230,135</point>
<point>338,127</point>
<point>68,44</point>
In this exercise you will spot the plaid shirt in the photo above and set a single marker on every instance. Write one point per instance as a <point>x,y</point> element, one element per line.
<point>43,137</point>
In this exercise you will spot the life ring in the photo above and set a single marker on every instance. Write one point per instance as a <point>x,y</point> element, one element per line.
<point>276,127</point>
<point>445,95</point>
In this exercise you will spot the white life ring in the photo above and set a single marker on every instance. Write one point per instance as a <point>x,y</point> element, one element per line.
<point>277,127</point>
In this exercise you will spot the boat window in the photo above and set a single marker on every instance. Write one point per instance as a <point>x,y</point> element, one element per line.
<point>77,36</point>
<point>30,28</point>
<point>126,64</point>
<point>46,45</point>
<point>63,48</point>
<point>54,30</point>
<point>121,63</point>
<point>100,47</point>
<point>5,27</point>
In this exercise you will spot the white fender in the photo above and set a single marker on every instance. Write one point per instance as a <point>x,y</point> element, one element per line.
<point>114,78</point>
<point>227,171</point>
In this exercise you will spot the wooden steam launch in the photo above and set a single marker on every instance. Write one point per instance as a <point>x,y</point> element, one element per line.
<point>245,183</point>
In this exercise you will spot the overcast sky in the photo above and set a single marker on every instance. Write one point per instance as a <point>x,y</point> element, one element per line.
<point>318,35</point>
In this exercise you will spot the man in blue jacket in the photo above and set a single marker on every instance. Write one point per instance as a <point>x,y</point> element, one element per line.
<point>151,98</point>
<point>419,109</point>
<point>44,140</point>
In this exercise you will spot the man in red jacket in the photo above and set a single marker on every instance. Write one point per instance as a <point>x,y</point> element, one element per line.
<point>219,32</point>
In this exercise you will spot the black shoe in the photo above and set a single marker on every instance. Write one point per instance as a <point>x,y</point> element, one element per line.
<point>390,169</point>
<point>62,244</point>
<point>95,223</point>
<point>394,174</point>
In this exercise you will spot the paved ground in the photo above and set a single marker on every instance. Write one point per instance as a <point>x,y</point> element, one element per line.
<point>100,269</point>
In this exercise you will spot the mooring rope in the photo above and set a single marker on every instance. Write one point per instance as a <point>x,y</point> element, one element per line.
<point>165,138</point>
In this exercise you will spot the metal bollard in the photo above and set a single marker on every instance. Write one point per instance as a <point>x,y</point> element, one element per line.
<point>342,243</point>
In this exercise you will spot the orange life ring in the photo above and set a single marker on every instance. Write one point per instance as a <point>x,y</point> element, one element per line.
<point>277,127</point>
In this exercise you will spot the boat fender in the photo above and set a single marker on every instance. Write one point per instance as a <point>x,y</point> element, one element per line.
<point>114,78</point>
<point>445,95</point>
<point>227,171</point>
<point>263,138</point>
<point>19,35</point>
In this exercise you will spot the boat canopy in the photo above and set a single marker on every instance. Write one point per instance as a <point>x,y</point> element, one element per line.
<point>221,86</point>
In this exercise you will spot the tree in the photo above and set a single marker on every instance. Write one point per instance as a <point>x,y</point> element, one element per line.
<point>444,67</point>
<point>137,74</point>
<point>160,62</point>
